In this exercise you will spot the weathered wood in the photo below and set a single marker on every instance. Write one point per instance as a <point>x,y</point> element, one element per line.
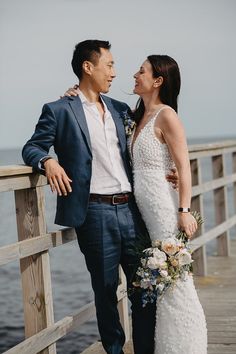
<point>34,245</point>
<point>199,256</point>
<point>213,146</point>
<point>11,170</point>
<point>213,233</point>
<point>234,184</point>
<point>221,205</point>
<point>214,184</point>
<point>48,336</point>
<point>13,183</point>
<point>35,270</point>
<point>52,333</point>
<point>200,154</point>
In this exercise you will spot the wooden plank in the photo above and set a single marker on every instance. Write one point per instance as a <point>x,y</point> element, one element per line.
<point>234,170</point>
<point>210,153</point>
<point>221,205</point>
<point>199,256</point>
<point>49,335</point>
<point>213,233</point>
<point>35,270</point>
<point>11,170</point>
<point>12,183</point>
<point>214,184</point>
<point>29,247</point>
<point>213,146</point>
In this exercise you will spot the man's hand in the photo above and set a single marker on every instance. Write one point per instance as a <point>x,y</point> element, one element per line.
<point>58,179</point>
<point>173,178</point>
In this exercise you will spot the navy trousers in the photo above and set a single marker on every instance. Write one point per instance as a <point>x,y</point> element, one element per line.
<point>108,238</point>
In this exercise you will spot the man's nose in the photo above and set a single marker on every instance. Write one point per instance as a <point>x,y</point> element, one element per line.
<point>113,73</point>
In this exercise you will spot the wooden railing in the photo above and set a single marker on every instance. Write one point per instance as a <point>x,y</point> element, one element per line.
<point>218,184</point>
<point>34,243</point>
<point>32,250</point>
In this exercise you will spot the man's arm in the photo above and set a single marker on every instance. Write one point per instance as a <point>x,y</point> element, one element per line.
<point>37,148</point>
<point>43,138</point>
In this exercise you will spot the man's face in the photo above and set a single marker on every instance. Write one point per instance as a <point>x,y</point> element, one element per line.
<point>103,72</point>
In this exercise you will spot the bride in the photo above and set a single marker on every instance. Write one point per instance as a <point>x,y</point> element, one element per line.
<point>156,145</point>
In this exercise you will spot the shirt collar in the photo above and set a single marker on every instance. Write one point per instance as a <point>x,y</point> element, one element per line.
<point>85,101</point>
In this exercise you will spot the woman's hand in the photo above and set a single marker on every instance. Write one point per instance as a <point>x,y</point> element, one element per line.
<point>72,91</point>
<point>187,223</point>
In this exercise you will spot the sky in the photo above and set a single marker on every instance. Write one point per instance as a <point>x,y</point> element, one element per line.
<point>38,37</point>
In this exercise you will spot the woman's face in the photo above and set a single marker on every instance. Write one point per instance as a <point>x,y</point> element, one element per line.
<point>144,81</point>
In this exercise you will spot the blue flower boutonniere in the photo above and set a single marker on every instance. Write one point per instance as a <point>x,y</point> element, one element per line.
<point>129,124</point>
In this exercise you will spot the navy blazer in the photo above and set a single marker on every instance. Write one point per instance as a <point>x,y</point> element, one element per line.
<point>62,124</point>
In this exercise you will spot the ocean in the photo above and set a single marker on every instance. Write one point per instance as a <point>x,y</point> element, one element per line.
<point>70,279</point>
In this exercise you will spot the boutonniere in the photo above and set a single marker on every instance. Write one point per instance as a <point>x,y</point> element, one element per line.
<point>129,124</point>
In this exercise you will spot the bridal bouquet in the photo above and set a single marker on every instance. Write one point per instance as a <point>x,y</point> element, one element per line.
<point>163,264</point>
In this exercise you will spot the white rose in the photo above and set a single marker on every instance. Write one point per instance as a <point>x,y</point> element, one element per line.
<point>170,246</point>
<point>164,273</point>
<point>160,256</point>
<point>184,257</point>
<point>152,263</point>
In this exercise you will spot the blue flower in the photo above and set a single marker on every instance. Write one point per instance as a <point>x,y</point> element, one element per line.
<point>129,124</point>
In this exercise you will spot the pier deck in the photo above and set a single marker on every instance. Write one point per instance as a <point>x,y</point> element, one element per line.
<point>217,292</point>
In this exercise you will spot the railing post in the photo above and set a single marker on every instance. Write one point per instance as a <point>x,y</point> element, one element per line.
<point>221,205</point>
<point>35,270</point>
<point>123,305</point>
<point>234,171</point>
<point>199,256</point>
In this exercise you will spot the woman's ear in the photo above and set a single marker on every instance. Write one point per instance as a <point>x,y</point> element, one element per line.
<point>158,81</point>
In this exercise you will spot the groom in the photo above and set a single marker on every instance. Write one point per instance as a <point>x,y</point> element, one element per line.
<point>93,180</point>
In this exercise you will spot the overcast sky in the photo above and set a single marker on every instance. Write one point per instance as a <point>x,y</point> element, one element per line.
<point>37,40</point>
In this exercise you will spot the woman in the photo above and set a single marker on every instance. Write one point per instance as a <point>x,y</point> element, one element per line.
<point>157,144</point>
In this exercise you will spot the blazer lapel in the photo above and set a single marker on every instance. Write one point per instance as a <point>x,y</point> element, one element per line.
<point>118,122</point>
<point>78,111</point>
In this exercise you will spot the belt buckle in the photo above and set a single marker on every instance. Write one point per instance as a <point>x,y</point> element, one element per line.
<point>113,200</point>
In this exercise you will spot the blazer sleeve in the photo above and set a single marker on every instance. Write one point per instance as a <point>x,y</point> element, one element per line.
<point>43,138</point>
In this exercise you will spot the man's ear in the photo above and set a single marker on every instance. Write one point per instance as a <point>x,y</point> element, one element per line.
<point>158,81</point>
<point>87,67</point>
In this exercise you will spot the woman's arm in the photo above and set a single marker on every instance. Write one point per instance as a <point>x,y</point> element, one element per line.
<point>173,133</point>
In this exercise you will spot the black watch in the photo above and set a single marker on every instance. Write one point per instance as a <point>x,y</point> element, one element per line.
<point>44,160</point>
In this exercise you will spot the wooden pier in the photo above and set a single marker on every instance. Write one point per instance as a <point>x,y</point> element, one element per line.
<point>215,275</point>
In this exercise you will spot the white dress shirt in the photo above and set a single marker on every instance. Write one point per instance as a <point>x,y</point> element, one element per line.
<point>108,172</point>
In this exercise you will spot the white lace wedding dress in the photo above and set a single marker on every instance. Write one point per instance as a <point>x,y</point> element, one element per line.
<point>180,321</point>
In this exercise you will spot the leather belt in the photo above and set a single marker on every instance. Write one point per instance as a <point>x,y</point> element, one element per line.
<point>113,199</point>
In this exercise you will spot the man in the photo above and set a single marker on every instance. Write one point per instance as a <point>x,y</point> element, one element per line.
<point>93,180</point>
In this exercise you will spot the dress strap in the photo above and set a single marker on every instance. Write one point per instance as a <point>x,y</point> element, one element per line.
<point>161,109</point>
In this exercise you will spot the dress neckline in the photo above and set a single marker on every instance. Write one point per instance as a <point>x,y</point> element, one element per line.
<point>133,141</point>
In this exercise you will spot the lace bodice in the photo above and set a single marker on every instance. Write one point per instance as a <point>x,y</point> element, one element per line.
<point>147,152</point>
